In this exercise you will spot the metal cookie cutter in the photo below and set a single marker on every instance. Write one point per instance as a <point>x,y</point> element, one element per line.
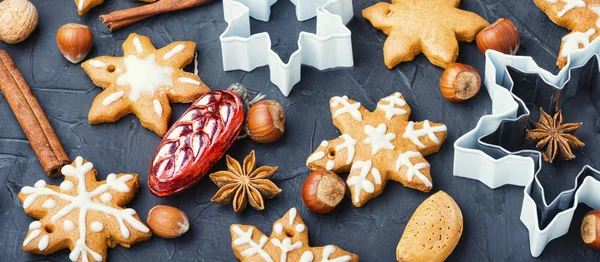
<point>491,151</point>
<point>330,47</point>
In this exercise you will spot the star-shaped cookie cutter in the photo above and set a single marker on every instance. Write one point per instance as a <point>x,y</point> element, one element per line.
<point>496,166</point>
<point>330,47</point>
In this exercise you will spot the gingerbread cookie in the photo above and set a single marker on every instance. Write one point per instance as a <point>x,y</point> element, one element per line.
<point>84,6</point>
<point>378,146</point>
<point>288,242</point>
<point>582,17</point>
<point>144,81</point>
<point>433,231</point>
<point>82,200</point>
<point>433,27</point>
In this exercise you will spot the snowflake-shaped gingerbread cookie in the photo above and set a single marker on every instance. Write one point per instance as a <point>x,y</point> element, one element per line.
<point>378,146</point>
<point>288,242</point>
<point>144,81</point>
<point>81,200</point>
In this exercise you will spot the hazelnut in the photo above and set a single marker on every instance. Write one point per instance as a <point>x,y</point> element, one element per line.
<point>266,121</point>
<point>167,221</point>
<point>18,19</point>
<point>502,36</point>
<point>322,191</point>
<point>590,229</point>
<point>460,82</point>
<point>74,41</point>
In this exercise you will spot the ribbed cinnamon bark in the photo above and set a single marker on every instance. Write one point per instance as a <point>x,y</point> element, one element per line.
<point>31,117</point>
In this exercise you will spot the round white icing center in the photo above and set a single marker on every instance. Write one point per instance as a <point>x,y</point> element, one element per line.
<point>144,76</point>
<point>66,186</point>
<point>96,226</point>
<point>49,204</point>
<point>105,197</point>
<point>68,225</point>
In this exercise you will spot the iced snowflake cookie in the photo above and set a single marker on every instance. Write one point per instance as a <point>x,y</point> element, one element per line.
<point>432,232</point>
<point>144,81</point>
<point>431,27</point>
<point>581,17</point>
<point>82,200</point>
<point>288,242</point>
<point>378,146</point>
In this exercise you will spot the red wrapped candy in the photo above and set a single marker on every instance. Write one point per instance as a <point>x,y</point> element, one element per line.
<point>196,142</point>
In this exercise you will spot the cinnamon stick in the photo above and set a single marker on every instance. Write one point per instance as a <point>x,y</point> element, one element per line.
<point>119,19</point>
<point>35,125</point>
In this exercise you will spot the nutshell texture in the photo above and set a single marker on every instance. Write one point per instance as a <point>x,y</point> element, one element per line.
<point>492,232</point>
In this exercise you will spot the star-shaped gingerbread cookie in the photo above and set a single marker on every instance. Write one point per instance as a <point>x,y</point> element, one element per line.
<point>84,6</point>
<point>144,81</point>
<point>82,214</point>
<point>582,17</point>
<point>378,146</point>
<point>288,242</point>
<point>433,27</point>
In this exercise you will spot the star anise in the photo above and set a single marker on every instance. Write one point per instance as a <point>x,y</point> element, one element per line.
<point>240,185</point>
<point>554,138</point>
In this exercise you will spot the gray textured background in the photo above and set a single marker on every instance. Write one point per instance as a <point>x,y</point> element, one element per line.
<point>493,231</point>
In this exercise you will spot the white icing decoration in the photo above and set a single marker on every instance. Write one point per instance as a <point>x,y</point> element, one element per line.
<point>570,5</point>
<point>307,256</point>
<point>49,204</point>
<point>35,225</point>
<point>414,135</point>
<point>255,248</point>
<point>574,39</point>
<point>112,98</point>
<point>413,170</point>
<point>188,80</point>
<point>80,6</point>
<point>176,50</point>
<point>390,109</point>
<point>352,109</point>
<point>360,181</point>
<point>324,143</point>
<point>105,197</point>
<point>66,186</point>
<point>138,45</point>
<point>349,144</point>
<point>68,225</point>
<point>293,213</point>
<point>278,228</point>
<point>157,107</point>
<point>285,246</point>
<point>378,139</point>
<point>33,235</point>
<point>96,226</point>
<point>376,175</point>
<point>144,76</point>
<point>83,203</point>
<point>300,228</point>
<point>44,241</point>
<point>328,251</point>
<point>97,63</point>
<point>596,10</point>
<point>315,156</point>
<point>330,165</point>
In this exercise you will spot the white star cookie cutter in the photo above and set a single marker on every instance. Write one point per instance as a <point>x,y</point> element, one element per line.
<point>330,47</point>
<point>496,166</point>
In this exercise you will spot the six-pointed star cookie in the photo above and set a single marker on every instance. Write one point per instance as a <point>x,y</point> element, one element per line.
<point>378,146</point>
<point>582,17</point>
<point>144,82</point>
<point>82,214</point>
<point>84,6</point>
<point>288,242</point>
<point>429,26</point>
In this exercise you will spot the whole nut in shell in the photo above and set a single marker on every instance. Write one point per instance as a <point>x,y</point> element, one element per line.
<point>18,19</point>
<point>322,191</point>
<point>502,36</point>
<point>460,82</point>
<point>266,121</point>
<point>74,41</point>
<point>167,221</point>
<point>590,229</point>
